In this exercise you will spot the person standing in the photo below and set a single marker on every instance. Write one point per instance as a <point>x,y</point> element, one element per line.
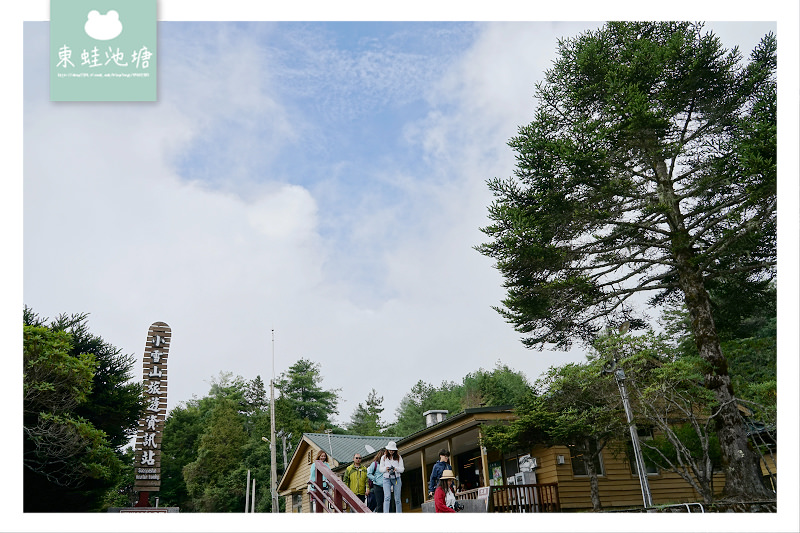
<point>391,466</point>
<point>440,466</point>
<point>321,456</point>
<point>355,477</point>
<point>445,496</point>
<point>376,477</point>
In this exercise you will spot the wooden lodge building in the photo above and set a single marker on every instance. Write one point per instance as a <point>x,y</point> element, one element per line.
<point>480,471</point>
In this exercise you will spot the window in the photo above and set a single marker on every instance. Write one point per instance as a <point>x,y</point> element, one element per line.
<point>579,468</point>
<point>645,434</point>
<point>512,467</point>
<point>310,456</point>
<point>297,502</point>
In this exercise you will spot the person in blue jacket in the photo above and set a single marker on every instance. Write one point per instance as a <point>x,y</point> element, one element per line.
<point>440,466</point>
<point>376,477</point>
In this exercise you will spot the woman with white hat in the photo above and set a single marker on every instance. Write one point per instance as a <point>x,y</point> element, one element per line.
<point>391,467</point>
<point>445,497</point>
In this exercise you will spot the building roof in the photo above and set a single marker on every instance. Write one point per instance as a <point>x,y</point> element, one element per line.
<point>463,414</point>
<point>342,447</point>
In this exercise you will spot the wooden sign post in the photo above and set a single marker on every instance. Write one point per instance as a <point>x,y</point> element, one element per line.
<point>151,426</point>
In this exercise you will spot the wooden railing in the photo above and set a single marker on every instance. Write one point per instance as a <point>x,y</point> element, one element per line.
<point>538,498</point>
<point>322,499</point>
<point>471,494</point>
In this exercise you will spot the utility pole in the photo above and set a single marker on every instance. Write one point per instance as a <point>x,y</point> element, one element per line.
<point>272,443</point>
<point>619,376</point>
<point>247,493</point>
<point>282,434</point>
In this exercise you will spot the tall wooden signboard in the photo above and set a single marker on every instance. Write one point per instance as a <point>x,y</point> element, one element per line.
<point>151,426</point>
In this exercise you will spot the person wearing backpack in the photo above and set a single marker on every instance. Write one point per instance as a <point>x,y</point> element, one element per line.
<point>375,478</point>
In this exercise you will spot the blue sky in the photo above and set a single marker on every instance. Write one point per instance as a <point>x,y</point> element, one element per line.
<point>325,179</point>
<point>350,94</point>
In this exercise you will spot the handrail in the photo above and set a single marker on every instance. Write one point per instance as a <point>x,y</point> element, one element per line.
<point>536,498</point>
<point>469,494</point>
<point>341,492</point>
<point>528,498</point>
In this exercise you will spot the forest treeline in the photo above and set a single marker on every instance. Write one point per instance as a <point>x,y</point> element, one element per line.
<point>82,405</point>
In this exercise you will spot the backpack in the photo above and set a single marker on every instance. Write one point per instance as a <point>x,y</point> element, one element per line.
<point>374,465</point>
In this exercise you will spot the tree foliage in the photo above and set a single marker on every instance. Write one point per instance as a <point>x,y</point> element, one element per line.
<point>366,418</point>
<point>78,411</point>
<point>668,397</point>
<point>219,453</point>
<point>650,166</point>
<point>303,398</point>
<point>749,341</point>
<point>501,386</point>
<point>571,405</point>
<point>210,443</point>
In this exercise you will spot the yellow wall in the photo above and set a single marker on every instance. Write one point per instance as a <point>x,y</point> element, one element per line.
<point>298,476</point>
<point>618,486</point>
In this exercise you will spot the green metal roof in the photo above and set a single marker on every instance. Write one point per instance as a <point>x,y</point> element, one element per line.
<point>341,448</point>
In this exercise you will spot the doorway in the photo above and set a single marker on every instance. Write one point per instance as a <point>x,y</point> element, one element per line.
<point>469,469</point>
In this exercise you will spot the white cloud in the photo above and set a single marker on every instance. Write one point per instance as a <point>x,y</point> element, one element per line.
<point>288,214</point>
<point>115,228</point>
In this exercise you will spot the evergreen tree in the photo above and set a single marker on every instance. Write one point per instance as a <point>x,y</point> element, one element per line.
<point>650,165</point>
<point>220,453</point>
<point>501,386</point>
<point>179,447</point>
<point>304,398</point>
<point>79,410</point>
<point>366,419</point>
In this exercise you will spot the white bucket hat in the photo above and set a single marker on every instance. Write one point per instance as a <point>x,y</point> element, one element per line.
<point>391,446</point>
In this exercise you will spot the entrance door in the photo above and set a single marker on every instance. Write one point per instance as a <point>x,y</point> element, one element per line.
<point>469,469</point>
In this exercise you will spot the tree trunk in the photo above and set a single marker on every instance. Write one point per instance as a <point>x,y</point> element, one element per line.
<point>743,480</point>
<point>588,460</point>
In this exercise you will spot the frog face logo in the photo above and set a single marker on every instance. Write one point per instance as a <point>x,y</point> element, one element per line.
<point>103,27</point>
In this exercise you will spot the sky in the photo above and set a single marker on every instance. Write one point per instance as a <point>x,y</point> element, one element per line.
<point>301,189</point>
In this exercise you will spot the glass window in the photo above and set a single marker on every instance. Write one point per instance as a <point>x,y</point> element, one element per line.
<point>512,467</point>
<point>645,434</point>
<point>578,466</point>
<point>297,502</point>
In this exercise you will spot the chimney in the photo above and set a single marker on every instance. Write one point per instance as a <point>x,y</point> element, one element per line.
<point>434,417</point>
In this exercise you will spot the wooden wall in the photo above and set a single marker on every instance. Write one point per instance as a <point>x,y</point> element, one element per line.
<point>298,480</point>
<point>618,486</point>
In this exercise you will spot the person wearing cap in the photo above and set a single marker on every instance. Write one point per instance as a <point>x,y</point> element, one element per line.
<point>445,497</point>
<point>440,466</point>
<point>391,467</point>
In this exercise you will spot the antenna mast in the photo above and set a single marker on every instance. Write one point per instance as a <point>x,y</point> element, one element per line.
<point>272,443</point>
